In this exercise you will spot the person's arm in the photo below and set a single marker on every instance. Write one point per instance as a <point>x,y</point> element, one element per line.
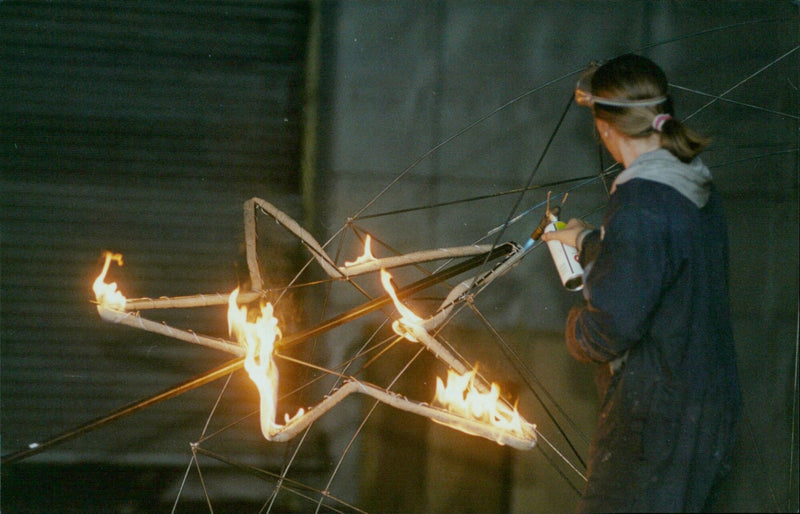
<point>622,287</point>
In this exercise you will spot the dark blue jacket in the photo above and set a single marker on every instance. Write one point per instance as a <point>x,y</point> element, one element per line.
<point>657,320</point>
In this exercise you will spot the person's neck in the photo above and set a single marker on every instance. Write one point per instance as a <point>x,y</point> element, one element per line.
<point>631,148</point>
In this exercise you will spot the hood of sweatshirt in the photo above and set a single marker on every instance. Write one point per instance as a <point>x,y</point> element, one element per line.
<point>692,180</point>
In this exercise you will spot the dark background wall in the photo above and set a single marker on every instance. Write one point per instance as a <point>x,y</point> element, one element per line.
<point>139,128</point>
<point>142,127</point>
<point>498,77</point>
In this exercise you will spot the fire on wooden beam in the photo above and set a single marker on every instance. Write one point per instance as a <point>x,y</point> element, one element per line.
<point>465,403</point>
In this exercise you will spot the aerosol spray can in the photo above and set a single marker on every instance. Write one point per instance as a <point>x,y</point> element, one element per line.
<point>565,257</point>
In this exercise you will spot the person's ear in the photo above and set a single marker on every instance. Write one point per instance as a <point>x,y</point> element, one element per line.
<point>603,127</point>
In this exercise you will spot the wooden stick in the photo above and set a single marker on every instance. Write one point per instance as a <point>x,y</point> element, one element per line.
<point>413,258</point>
<point>135,321</point>
<point>467,425</point>
<point>183,302</point>
<point>324,260</point>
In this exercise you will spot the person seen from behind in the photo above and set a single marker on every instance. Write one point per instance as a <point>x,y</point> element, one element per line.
<point>656,315</point>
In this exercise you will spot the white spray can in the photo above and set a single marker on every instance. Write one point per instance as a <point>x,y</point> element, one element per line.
<point>565,257</point>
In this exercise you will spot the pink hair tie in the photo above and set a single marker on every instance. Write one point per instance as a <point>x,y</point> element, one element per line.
<point>659,120</point>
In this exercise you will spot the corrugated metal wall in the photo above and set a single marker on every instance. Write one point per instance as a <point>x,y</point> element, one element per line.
<point>137,127</point>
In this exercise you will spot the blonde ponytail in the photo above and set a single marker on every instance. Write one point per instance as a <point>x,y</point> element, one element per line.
<point>630,93</point>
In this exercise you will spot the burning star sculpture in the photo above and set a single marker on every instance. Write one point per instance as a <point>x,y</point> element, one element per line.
<point>463,402</point>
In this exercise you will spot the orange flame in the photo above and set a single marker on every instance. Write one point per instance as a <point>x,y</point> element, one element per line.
<point>460,396</point>
<point>407,315</point>
<point>366,257</point>
<point>107,294</point>
<point>258,337</point>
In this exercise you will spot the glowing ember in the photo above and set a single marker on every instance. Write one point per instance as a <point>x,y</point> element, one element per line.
<point>258,337</point>
<point>107,294</point>
<point>461,397</point>
<point>366,257</point>
<point>407,315</point>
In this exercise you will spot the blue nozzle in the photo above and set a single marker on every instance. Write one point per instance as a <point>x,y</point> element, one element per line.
<point>529,244</point>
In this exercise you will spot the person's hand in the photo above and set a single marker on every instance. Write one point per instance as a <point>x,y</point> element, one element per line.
<point>567,235</point>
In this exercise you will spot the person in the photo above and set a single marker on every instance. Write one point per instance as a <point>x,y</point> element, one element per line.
<point>656,311</point>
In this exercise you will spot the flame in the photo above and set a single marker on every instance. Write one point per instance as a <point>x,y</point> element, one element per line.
<point>366,257</point>
<point>407,315</point>
<point>460,396</point>
<point>107,294</point>
<point>258,337</point>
